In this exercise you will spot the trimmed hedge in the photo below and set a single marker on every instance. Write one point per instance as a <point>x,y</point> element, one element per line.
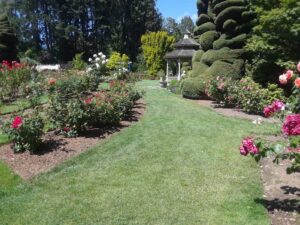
<point>236,42</point>
<point>203,18</point>
<point>198,69</point>
<point>211,56</point>
<point>233,12</point>
<point>197,56</point>
<point>204,28</point>
<point>207,39</point>
<point>193,88</point>
<point>225,4</point>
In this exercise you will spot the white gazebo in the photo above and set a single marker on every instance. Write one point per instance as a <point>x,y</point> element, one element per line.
<point>184,52</point>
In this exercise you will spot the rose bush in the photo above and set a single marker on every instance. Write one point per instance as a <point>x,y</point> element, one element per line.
<point>13,77</point>
<point>97,70</point>
<point>290,128</point>
<point>25,133</point>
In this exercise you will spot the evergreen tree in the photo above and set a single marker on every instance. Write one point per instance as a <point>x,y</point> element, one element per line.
<point>8,40</point>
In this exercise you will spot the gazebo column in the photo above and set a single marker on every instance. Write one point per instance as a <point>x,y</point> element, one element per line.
<point>167,73</point>
<point>179,70</point>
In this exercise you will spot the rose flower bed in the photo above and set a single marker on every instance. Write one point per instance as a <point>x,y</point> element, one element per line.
<point>75,104</point>
<point>290,128</point>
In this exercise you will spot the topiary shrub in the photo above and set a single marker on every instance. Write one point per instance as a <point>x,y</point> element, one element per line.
<point>8,40</point>
<point>204,28</point>
<point>207,39</point>
<point>193,88</point>
<point>223,46</point>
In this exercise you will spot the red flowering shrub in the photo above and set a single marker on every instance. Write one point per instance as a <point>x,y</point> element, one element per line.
<point>25,133</point>
<point>13,76</point>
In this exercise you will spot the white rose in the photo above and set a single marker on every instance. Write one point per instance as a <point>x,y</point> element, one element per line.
<point>95,55</point>
<point>89,69</point>
<point>103,56</point>
<point>100,53</point>
<point>97,59</point>
<point>97,65</point>
<point>90,59</point>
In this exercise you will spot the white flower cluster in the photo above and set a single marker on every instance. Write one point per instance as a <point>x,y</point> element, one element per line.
<point>98,61</point>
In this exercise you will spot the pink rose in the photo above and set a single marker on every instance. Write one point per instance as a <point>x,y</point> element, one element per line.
<point>283,79</point>
<point>248,146</point>
<point>291,125</point>
<point>268,111</point>
<point>289,74</point>
<point>297,83</point>
<point>278,106</point>
<point>298,67</point>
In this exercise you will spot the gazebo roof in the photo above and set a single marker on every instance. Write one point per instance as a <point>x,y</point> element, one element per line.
<point>186,42</point>
<point>184,49</point>
<point>181,54</point>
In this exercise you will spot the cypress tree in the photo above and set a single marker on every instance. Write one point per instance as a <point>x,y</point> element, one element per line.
<point>8,40</point>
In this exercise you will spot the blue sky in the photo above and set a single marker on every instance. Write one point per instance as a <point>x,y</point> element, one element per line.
<point>178,8</point>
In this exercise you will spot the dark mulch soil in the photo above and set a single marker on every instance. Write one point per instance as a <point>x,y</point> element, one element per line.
<point>281,190</point>
<point>57,149</point>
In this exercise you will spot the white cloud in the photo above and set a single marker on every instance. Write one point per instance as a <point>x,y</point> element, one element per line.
<point>194,17</point>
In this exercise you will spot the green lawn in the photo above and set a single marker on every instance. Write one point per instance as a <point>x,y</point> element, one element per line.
<point>179,165</point>
<point>19,105</point>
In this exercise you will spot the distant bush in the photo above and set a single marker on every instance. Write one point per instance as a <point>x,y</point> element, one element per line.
<point>193,88</point>
<point>78,63</point>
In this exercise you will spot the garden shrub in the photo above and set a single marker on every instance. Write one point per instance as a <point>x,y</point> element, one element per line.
<point>72,113</point>
<point>207,39</point>
<point>97,70</point>
<point>193,88</point>
<point>155,45</point>
<point>246,94</point>
<point>117,61</point>
<point>13,77</point>
<point>203,18</point>
<point>224,43</point>
<point>25,133</point>
<point>209,26</point>
<point>78,63</point>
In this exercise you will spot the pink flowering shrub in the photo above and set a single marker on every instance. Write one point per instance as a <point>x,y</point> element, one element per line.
<point>290,129</point>
<point>244,94</point>
<point>248,146</point>
<point>291,125</point>
<point>277,106</point>
<point>25,133</point>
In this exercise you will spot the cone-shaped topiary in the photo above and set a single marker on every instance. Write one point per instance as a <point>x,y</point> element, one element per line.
<point>222,29</point>
<point>8,40</point>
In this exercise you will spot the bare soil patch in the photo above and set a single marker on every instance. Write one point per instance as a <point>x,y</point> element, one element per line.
<point>281,190</point>
<point>56,148</point>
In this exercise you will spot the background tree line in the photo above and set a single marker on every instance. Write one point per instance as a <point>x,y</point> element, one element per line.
<point>66,27</point>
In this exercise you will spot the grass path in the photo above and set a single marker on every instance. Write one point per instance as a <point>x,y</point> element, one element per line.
<point>179,165</point>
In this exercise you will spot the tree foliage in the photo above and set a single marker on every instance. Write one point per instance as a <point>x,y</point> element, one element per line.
<point>64,28</point>
<point>186,24</point>
<point>275,44</point>
<point>155,45</point>
<point>8,40</point>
